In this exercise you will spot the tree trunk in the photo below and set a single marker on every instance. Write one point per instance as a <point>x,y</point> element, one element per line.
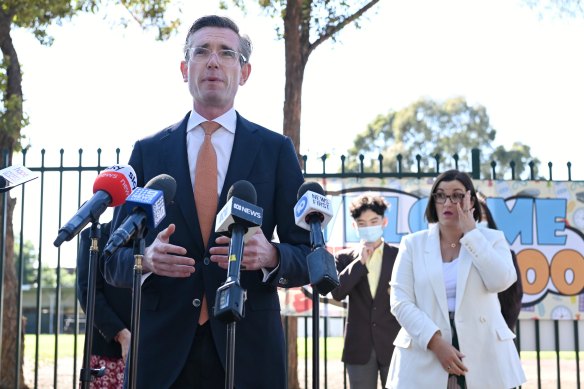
<point>296,40</point>
<point>291,325</point>
<point>10,127</point>
<point>11,316</point>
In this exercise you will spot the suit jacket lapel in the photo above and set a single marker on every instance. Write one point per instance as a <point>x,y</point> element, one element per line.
<point>176,159</point>
<point>433,262</point>
<point>385,275</point>
<point>464,264</point>
<point>246,145</point>
<point>366,288</point>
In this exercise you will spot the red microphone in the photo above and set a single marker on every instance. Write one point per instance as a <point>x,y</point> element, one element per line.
<point>111,188</point>
<point>118,182</point>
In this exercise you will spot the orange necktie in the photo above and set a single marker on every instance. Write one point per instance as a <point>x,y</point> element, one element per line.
<point>206,198</point>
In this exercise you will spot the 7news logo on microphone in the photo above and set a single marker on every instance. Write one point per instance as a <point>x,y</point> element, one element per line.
<point>154,201</point>
<point>311,203</point>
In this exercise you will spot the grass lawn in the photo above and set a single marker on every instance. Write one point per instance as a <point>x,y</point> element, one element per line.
<point>334,348</point>
<point>66,344</point>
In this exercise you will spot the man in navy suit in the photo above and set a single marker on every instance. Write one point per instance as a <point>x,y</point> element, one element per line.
<point>181,344</point>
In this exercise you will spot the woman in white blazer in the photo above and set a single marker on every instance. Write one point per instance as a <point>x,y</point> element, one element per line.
<point>444,289</point>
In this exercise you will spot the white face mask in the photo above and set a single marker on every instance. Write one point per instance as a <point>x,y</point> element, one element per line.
<point>483,224</point>
<point>370,234</point>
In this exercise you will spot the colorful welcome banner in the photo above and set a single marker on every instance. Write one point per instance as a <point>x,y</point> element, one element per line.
<point>543,222</point>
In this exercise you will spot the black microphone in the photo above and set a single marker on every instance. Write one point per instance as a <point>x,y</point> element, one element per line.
<point>312,212</point>
<point>110,188</point>
<point>148,208</point>
<point>239,219</point>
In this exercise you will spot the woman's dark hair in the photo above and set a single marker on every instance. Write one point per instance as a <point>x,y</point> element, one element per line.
<point>447,176</point>
<point>486,212</point>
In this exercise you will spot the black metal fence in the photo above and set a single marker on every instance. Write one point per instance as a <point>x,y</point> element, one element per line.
<point>53,316</point>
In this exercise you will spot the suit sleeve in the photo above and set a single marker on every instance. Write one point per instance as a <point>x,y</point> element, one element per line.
<point>294,241</point>
<point>107,322</point>
<point>492,258</point>
<point>118,268</point>
<point>351,270</point>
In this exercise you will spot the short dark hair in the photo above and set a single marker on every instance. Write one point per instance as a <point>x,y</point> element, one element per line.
<point>368,201</point>
<point>221,22</point>
<point>447,176</point>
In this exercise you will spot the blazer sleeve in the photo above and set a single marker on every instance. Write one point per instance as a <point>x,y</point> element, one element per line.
<point>293,246</point>
<point>118,268</point>
<point>491,256</point>
<point>351,270</point>
<point>107,322</point>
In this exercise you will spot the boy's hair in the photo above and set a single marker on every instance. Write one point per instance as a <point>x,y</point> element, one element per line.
<point>367,201</point>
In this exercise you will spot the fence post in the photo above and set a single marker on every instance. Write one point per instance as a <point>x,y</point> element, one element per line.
<point>476,164</point>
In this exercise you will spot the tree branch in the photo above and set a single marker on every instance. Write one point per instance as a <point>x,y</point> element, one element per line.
<point>332,30</point>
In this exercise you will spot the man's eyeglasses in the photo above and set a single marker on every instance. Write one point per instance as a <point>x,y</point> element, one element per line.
<point>224,57</point>
<point>455,198</point>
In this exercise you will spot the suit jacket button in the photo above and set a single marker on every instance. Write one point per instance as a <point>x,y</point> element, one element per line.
<point>206,260</point>
<point>197,303</point>
<point>283,281</point>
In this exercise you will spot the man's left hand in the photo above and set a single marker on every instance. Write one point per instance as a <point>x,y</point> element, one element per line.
<point>258,253</point>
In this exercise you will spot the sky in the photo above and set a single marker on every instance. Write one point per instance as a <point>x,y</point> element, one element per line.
<point>100,85</point>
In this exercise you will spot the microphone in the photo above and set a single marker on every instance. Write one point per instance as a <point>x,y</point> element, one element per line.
<point>13,176</point>
<point>111,188</point>
<point>240,209</point>
<point>148,208</point>
<point>312,212</point>
<point>238,219</point>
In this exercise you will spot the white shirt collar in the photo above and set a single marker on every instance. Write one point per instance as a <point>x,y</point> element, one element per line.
<point>228,120</point>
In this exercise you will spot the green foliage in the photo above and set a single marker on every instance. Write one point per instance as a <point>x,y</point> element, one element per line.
<point>36,16</point>
<point>322,19</point>
<point>434,129</point>
<point>560,8</point>
<point>48,274</point>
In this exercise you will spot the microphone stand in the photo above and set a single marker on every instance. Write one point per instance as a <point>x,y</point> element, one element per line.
<point>319,254</point>
<point>139,248</point>
<point>87,373</point>
<point>229,300</point>
<point>315,338</point>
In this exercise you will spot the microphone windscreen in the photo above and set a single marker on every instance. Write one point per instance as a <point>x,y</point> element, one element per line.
<point>310,186</point>
<point>164,183</point>
<point>243,190</point>
<point>118,181</point>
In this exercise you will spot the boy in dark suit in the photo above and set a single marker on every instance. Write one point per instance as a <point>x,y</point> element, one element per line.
<point>364,274</point>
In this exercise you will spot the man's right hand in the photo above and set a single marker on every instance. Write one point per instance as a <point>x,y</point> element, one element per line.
<point>366,252</point>
<point>166,259</point>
